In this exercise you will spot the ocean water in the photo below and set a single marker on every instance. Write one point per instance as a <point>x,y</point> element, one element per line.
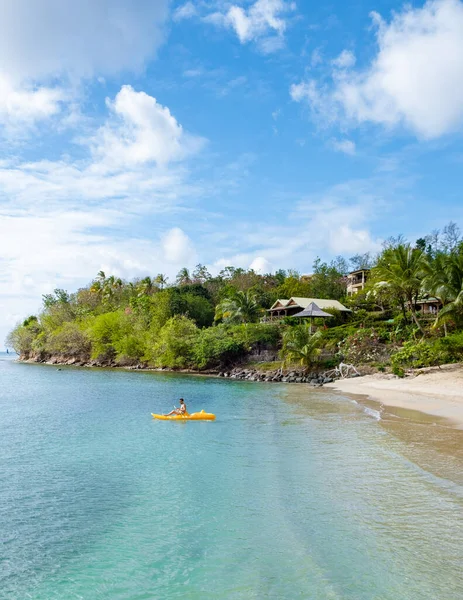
<point>291,493</point>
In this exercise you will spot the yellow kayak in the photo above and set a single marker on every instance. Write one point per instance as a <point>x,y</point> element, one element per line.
<point>199,416</point>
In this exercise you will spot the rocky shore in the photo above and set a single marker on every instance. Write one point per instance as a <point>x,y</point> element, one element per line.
<point>243,373</point>
<point>277,376</point>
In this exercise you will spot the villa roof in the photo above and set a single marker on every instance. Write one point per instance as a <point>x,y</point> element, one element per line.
<point>429,299</point>
<point>280,303</point>
<point>304,303</point>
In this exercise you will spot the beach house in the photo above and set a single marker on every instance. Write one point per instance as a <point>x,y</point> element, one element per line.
<point>284,307</point>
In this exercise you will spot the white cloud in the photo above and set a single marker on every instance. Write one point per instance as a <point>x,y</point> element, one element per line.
<point>304,90</point>
<point>140,131</point>
<point>64,250</point>
<point>345,60</point>
<point>346,146</point>
<point>46,47</point>
<point>62,221</point>
<point>261,265</point>
<point>22,106</point>
<point>186,11</point>
<point>49,39</point>
<point>262,22</point>
<point>415,79</point>
<point>178,248</point>
<point>345,238</point>
<point>335,221</point>
<point>316,58</point>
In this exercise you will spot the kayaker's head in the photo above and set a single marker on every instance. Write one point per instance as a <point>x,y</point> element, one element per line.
<point>182,401</point>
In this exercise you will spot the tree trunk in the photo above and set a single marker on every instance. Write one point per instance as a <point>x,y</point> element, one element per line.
<point>404,311</point>
<point>415,318</point>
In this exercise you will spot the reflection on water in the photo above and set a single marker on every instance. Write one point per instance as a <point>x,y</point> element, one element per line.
<point>432,442</point>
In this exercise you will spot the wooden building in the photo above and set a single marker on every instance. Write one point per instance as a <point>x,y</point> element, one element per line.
<point>288,308</point>
<point>428,306</point>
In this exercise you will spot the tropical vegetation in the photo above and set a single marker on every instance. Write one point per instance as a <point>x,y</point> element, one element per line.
<point>203,321</point>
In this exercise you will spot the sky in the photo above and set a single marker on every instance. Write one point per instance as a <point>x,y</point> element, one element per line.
<point>141,136</point>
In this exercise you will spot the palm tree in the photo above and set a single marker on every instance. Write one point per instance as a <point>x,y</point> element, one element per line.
<point>299,345</point>
<point>161,280</point>
<point>240,307</point>
<point>444,279</point>
<point>146,286</point>
<point>436,281</point>
<point>402,268</point>
<point>98,283</point>
<point>183,277</point>
<point>110,286</point>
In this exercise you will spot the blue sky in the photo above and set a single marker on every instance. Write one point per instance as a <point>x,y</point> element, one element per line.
<point>139,136</point>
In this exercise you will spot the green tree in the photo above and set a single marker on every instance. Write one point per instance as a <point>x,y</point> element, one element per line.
<point>59,296</point>
<point>293,286</point>
<point>105,332</point>
<point>201,274</point>
<point>193,306</point>
<point>174,343</point>
<point>69,340</point>
<point>183,277</point>
<point>299,345</point>
<point>22,337</point>
<point>215,347</point>
<point>444,280</point>
<point>240,307</point>
<point>111,287</point>
<point>146,286</point>
<point>402,268</point>
<point>161,280</point>
<point>362,261</point>
<point>328,280</point>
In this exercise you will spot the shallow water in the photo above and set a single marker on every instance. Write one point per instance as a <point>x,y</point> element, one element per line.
<point>291,493</point>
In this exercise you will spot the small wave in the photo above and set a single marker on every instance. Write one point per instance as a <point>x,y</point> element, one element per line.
<point>372,413</point>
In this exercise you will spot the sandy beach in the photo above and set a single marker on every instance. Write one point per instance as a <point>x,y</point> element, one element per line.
<point>436,391</point>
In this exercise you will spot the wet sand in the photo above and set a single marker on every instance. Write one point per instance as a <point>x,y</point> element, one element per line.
<point>435,391</point>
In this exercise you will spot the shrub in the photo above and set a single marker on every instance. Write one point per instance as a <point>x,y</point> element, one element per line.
<point>364,346</point>
<point>69,340</point>
<point>106,332</point>
<point>174,345</point>
<point>130,348</point>
<point>253,334</point>
<point>216,347</point>
<point>422,354</point>
<point>22,337</point>
<point>453,346</point>
<point>337,317</point>
<point>399,371</point>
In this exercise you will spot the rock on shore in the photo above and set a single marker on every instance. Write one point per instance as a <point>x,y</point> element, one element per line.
<point>277,376</point>
<point>242,373</point>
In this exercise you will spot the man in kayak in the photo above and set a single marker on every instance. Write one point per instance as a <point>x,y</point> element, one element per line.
<point>179,411</point>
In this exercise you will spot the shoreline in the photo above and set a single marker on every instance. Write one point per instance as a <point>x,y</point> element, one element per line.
<point>245,372</point>
<point>436,391</point>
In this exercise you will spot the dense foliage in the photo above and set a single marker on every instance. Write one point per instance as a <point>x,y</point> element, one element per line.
<point>202,321</point>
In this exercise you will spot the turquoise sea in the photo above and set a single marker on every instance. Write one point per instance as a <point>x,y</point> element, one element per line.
<point>291,493</point>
